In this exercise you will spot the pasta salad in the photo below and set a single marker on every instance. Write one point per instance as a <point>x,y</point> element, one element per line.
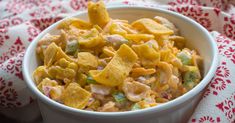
<point>111,65</point>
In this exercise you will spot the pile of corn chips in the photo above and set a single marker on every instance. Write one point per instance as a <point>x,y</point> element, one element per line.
<point>112,65</point>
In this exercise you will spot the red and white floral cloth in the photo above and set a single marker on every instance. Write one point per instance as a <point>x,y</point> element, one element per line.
<point>22,20</point>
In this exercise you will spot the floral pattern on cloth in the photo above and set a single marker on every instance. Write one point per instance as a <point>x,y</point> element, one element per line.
<point>22,20</point>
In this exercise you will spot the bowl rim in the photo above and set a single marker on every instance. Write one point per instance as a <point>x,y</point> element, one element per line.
<point>179,100</point>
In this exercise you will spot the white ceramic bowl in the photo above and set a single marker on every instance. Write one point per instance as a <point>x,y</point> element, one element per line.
<point>178,110</point>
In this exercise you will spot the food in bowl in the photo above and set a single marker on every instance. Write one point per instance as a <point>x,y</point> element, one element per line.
<point>109,65</point>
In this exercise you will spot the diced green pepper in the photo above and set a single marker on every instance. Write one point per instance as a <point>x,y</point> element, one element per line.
<point>71,47</point>
<point>136,106</point>
<point>185,57</point>
<point>90,80</point>
<point>191,77</point>
<point>119,97</point>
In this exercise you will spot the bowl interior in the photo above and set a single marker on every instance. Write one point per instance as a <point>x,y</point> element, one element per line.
<point>198,38</point>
